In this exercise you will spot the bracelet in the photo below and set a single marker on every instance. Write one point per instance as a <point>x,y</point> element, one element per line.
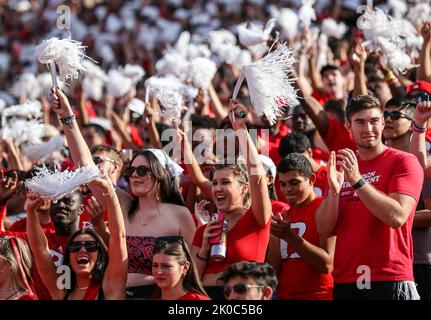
<point>200,258</point>
<point>417,128</point>
<point>359,184</point>
<point>389,76</point>
<point>68,120</point>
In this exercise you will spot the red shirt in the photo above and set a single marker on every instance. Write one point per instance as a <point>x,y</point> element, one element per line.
<point>322,97</point>
<point>27,296</point>
<point>365,240</point>
<point>246,241</point>
<point>190,295</point>
<point>338,137</point>
<point>279,207</point>
<point>21,225</point>
<point>298,279</point>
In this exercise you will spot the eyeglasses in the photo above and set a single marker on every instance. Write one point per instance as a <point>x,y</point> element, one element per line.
<point>90,246</point>
<point>141,171</point>
<point>98,160</point>
<point>396,115</point>
<point>240,288</point>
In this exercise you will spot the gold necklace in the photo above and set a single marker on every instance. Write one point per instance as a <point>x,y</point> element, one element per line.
<point>145,222</point>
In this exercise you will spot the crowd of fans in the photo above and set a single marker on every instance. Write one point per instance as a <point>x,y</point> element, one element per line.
<point>332,201</point>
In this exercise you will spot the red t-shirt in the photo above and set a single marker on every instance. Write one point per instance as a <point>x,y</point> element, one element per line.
<point>321,183</point>
<point>190,295</point>
<point>279,207</point>
<point>246,241</point>
<point>21,225</point>
<point>57,246</point>
<point>365,240</point>
<point>27,296</point>
<point>338,137</point>
<point>322,97</point>
<point>298,279</point>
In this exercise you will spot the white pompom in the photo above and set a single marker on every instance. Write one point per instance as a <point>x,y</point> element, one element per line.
<point>269,82</point>
<point>54,185</point>
<point>419,14</point>
<point>221,37</point>
<point>67,54</point>
<point>306,13</point>
<point>201,71</point>
<point>396,59</point>
<point>23,132</point>
<point>137,106</point>
<point>29,110</point>
<point>43,151</point>
<point>172,63</point>
<point>134,72</point>
<point>117,84</point>
<point>27,86</point>
<point>45,82</point>
<point>288,21</point>
<point>399,7</point>
<point>331,28</point>
<point>254,34</point>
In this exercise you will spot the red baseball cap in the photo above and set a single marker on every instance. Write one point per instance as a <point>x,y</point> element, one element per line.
<point>420,86</point>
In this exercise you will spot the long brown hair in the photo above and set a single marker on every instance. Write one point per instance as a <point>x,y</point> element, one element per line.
<point>167,188</point>
<point>177,247</point>
<point>7,253</point>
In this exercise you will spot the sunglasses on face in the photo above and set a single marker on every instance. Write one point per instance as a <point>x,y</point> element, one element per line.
<point>141,171</point>
<point>90,246</point>
<point>395,115</point>
<point>98,160</point>
<point>240,288</point>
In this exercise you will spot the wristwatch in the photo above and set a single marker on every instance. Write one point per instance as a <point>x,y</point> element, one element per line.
<point>359,184</point>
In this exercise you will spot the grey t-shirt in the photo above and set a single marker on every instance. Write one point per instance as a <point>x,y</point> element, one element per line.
<point>422,236</point>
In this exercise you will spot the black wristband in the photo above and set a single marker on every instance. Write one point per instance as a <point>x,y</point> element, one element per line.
<point>68,120</point>
<point>359,184</point>
<point>200,258</point>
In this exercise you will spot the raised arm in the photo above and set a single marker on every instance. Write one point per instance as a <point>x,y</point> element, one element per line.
<point>81,154</point>
<point>260,202</point>
<point>418,141</point>
<point>424,70</point>
<point>218,107</point>
<point>115,278</point>
<point>327,214</point>
<point>193,168</point>
<point>40,248</point>
<point>358,55</point>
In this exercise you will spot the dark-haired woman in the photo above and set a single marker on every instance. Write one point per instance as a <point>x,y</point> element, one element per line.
<point>89,271</point>
<point>241,193</point>
<point>15,269</point>
<point>175,272</point>
<point>155,208</point>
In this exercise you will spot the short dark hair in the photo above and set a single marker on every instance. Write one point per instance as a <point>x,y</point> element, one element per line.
<point>206,122</point>
<point>295,161</point>
<point>295,142</point>
<point>98,128</point>
<point>407,105</point>
<point>329,67</point>
<point>360,103</point>
<point>262,272</point>
<point>112,151</point>
<point>337,107</point>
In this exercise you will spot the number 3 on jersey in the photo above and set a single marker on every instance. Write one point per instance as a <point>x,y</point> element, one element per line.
<point>302,227</point>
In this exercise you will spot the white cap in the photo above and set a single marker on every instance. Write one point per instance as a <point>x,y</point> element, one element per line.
<point>173,168</point>
<point>268,164</point>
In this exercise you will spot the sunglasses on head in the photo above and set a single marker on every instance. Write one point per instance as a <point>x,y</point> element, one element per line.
<point>98,160</point>
<point>240,288</point>
<point>141,171</point>
<point>395,115</point>
<point>160,241</point>
<point>90,246</point>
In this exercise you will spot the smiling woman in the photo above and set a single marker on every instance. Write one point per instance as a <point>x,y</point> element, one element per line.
<point>91,273</point>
